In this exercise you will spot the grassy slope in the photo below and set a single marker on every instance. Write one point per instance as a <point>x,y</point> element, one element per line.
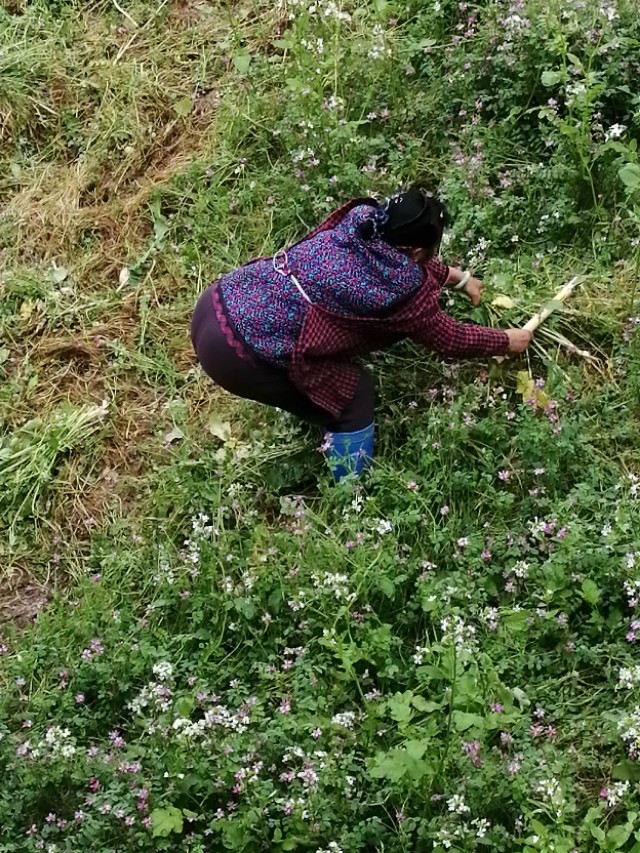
<point>125,191</point>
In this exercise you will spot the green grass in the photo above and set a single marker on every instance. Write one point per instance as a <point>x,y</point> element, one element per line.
<point>442,657</point>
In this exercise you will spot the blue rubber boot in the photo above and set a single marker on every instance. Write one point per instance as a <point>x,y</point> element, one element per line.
<point>349,452</point>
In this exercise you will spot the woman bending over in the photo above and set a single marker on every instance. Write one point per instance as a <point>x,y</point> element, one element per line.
<point>286,330</point>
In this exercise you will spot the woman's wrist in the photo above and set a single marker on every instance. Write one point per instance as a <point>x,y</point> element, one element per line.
<point>458,278</point>
<point>455,275</point>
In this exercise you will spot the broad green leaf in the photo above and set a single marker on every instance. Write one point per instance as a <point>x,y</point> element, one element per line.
<point>539,828</point>
<point>399,707</point>
<point>553,305</point>
<point>416,748</point>
<point>391,765</point>
<point>183,107</point>
<point>166,821</point>
<point>184,706</point>
<point>386,586</point>
<point>246,607</point>
<point>242,61</point>
<point>630,176</point>
<point>590,591</point>
<point>627,770</point>
<point>422,704</point>
<point>521,697</point>
<point>464,721</point>
<point>551,78</point>
<point>618,836</point>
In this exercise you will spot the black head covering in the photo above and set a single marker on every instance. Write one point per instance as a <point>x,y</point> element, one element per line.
<point>412,218</point>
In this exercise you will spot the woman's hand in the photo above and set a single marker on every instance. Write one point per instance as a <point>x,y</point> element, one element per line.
<point>473,288</point>
<point>519,340</point>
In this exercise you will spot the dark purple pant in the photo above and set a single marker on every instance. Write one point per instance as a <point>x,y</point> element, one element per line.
<point>265,383</point>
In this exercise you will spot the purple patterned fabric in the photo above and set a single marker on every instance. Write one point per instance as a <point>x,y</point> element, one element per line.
<point>339,272</point>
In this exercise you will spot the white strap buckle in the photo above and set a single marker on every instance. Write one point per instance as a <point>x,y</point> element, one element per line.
<point>281,266</point>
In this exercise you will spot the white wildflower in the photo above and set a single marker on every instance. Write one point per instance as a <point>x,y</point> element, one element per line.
<point>419,656</point>
<point>457,805</point>
<point>163,670</point>
<point>345,719</point>
<point>615,131</point>
<point>333,583</point>
<point>628,679</point>
<point>629,729</point>
<point>617,793</point>
<point>383,526</point>
<point>455,631</point>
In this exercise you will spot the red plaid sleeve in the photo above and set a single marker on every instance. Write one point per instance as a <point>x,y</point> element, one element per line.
<point>438,270</point>
<point>442,333</point>
<point>439,332</point>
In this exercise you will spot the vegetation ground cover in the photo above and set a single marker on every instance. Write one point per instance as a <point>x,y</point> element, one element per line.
<point>205,645</point>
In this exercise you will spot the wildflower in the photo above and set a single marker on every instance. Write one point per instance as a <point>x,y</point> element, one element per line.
<point>116,739</point>
<point>629,679</point>
<point>550,790</point>
<point>472,749</point>
<point>514,765</point>
<point>629,729</point>
<point>285,707</point>
<point>615,131</point>
<point>457,805</point>
<point>615,794</point>
<point>457,632</point>
<point>504,475</point>
<point>79,697</point>
<point>491,616</point>
<point>481,826</point>
<point>420,653</point>
<point>345,719</point>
